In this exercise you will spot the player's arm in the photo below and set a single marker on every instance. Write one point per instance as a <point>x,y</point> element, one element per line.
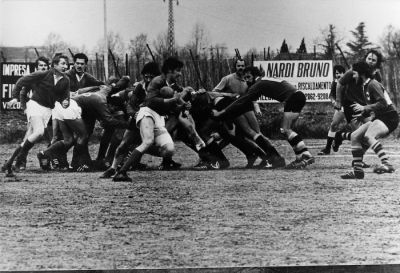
<point>92,81</point>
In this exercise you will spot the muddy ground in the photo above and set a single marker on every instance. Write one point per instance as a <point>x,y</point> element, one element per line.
<point>181,219</point>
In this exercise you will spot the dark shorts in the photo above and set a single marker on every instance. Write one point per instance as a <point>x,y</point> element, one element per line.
<point>390,119</point>
<point>348,113</point>
<point>295,103</point>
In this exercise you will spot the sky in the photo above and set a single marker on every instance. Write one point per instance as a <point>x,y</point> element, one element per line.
<point>242,24</point>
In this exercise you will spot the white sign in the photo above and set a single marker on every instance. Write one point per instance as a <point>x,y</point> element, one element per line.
<point>314,78</point>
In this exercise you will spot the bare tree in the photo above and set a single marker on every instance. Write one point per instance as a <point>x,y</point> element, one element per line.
<point>115,44</point>
<point>199,39</point>
<point>161,44</point>
<point>54,44</point>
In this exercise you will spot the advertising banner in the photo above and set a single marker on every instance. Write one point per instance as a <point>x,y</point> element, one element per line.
<point>314,78</point>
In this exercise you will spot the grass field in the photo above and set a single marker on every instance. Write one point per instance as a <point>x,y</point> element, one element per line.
<point>199,219</point>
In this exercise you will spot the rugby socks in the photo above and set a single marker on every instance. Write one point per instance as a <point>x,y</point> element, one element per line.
<point>298,145</point>
<point>24,151</point>
<point>329,140</point>
<point>345,135</point>
<point>378,149</point>
<point>133,160</point>
<point>13,156</point>
<point>264,144</point>
<point>358,153</point>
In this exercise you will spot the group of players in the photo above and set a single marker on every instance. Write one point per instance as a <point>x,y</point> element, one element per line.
<point>147,116</point>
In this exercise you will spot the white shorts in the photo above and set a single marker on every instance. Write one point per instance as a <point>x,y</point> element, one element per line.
<point>72,112</point>
<point>161,135</point>
<point>34,109</point>
<point>159,121</point>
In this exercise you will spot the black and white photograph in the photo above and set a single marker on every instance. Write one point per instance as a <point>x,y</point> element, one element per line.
<point>200,135</point>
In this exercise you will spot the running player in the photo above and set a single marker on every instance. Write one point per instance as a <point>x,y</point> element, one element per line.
<point>47,88</point>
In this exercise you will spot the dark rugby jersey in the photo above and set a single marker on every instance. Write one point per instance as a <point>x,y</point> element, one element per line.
<point>272,88</point>
<point>377,98</point>
<point>94,106</point>
<point>276,89</point>
<point>45,92</point>
<point>87,80</point>
<point>353,91</point>
<point>153,98</point>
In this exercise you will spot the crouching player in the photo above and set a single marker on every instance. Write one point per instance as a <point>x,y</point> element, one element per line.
<point>281,91</point>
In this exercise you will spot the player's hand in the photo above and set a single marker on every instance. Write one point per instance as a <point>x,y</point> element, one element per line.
<point>358,108</point>
<point>337,105</point>
<point>201,91</point>
<point>258,114</point>
<point>215,113</point>
<point>12,103</point>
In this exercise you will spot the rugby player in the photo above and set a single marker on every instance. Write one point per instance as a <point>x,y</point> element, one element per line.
<point>384,121</point>
<point>150,118</point>
<point>47,88</point>
<point>41,64</point>
<point>338,115</point>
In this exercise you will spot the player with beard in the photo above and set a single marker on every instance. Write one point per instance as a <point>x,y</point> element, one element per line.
<point>349,92</point>
<point>384,121</point>
<point>47,88</point>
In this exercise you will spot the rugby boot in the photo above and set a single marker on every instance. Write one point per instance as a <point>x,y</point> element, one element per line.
<point>250,161</point>
<point>83,169</point>
<point>201,165</point>
<point>301,163</point>
<point>353,175</point>
<point>44,161</point>
<point>324,151</point>
<point>9,171</point>
<point>170,165</point>
<point>278,162</point>
<point>110,172</point>
<point>384,168</point>
<point>122,177</point>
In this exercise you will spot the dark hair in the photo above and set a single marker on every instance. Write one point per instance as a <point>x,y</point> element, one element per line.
<point>339,68</point>
<point>377,54</point>
<point>171,64</point>
<point>81,56</point>
<point>57,58</point>
<point>111,80</point>
<point>255,71</point>
<point>363,69</point>
<point>43,59</point>
<point>151,68</point>
<point>236,61</point>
